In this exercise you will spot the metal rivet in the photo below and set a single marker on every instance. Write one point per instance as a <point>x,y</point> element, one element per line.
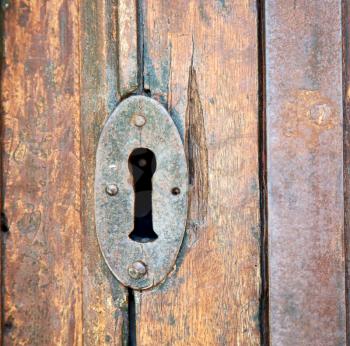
<point>112,189</point>
<point>137,270</point>
<point>175,191</point>
<point>140,120</point>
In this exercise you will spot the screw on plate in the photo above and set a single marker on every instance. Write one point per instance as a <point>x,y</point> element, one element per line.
<point>175,191</point>
<point>112,189</point>
<point>139,120</point>
<point>137,270</point>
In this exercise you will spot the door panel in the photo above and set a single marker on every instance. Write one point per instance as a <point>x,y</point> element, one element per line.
<point>255,89</point>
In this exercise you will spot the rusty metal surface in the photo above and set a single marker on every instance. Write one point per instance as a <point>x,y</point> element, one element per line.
<point>140,122</point>
<point>346,78</point>
<point>304,170</point>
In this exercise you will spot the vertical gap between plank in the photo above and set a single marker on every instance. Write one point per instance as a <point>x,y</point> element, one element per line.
<point>4,223</point>
<point>140,45</point>
<point>263,311</point>
<point>346,147</point>
<point>132,318</point>
<point>132,339</point>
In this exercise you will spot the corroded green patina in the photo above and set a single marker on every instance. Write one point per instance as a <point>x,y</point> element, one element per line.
<point>122,134</point>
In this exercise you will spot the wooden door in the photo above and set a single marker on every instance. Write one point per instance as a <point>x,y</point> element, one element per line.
<point>258,91</point>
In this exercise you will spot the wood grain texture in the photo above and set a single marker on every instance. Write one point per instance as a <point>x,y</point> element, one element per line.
<point>305,172</point>
<point>4,225</point>
<point>40,95</point>
<point>105,301</point>
<point>127,47</point>
<point>200,60</point>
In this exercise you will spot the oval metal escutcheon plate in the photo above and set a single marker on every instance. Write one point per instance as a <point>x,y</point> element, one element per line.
<point>141,185</point>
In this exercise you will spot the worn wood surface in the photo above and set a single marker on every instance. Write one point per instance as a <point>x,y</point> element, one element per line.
<point>4,226</point>
<point>105,301</point>
<point>127,59</point>
<point>200,60</point>
<point>346,96</point>
<point>304,117</point>
<point>40,98</point>
<point>67,64</point>
<point>45,152</point>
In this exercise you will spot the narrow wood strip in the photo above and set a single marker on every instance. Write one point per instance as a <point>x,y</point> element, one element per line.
<point>40,99</point>
<point>305,172</point>
<point>105,300</point>
<point>201,63</point>
<point>127,47</point>
<point>346,95</point>
<point>4,226</point>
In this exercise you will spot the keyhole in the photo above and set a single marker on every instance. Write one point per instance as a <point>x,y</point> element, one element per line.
<point>142,165</point>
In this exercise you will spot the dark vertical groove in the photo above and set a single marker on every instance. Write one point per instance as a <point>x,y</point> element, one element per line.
<point>140,46</point>
<point>346,159</point>
<point>4,224</point>
<point>140,79</point>
<point>132,318</point>
<point>264,296</point>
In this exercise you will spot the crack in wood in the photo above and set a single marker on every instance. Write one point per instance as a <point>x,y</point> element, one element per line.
<point>197,156</point>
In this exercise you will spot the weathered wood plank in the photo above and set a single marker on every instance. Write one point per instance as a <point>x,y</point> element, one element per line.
<point>305,172</point>
<point>127,46</point>
<point>105,301</point>
<point>201,63</point>
<point>4,226</point>
<point>40,97</point>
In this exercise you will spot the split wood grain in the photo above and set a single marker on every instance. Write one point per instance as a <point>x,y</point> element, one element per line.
<point>42,250</point>
<point>201,62</point>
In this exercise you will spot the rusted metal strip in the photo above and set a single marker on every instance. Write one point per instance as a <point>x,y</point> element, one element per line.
<point>127,47</point>
<point>305,172</point>
<point>346,83</point>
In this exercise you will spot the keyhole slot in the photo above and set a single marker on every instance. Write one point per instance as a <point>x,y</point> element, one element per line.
<point>142,165</point>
